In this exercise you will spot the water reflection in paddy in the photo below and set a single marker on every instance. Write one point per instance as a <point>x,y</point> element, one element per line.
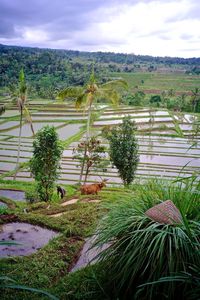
<point>137,120</point>
<point>68,130</point>
<point>10,113</point>
<point>26,130</point>
<point>8,125</point>
<point>170,160</point>
<point>12,194</point>
<point>134,114</point>
<point>14,153</point>
<point>30,238</point>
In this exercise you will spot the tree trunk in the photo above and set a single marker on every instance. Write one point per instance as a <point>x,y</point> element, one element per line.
<point>19,145</point>
<point>83,163</point>
<point>88,122</point>
<point>86,174</point>
<point>86,143</point>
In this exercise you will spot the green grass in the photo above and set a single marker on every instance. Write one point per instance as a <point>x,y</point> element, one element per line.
<point>142,250</point>
<point>48,268</point>
<point>157,81</point>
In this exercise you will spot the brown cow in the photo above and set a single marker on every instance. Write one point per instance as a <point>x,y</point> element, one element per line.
<point>91,189</point>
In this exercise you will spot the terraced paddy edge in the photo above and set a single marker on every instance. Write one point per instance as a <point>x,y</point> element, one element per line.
<point>154,83</point>
<point>160,155</point>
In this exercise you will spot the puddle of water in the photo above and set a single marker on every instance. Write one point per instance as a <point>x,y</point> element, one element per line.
<point>30,237</point>
<point>11,194</point>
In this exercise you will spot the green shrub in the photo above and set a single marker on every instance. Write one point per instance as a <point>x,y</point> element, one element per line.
<point>124,149</point>
<point>142,251</point>
<point>45,163</point>
<point>31,196</point>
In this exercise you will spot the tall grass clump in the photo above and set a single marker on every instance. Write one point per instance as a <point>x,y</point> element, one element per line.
<point>142,251</point>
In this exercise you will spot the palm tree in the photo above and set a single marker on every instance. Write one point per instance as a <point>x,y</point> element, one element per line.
<point>21,101</point>
<point>86,96</point>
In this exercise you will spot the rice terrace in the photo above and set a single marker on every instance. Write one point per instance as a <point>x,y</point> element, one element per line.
<point>99,175</point>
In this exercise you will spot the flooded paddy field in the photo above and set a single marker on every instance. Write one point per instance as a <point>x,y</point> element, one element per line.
<point>10,113</point>
<point>26,130</point>
<point>8,125</point>
<point>164,138</point>
<point>13,194</point>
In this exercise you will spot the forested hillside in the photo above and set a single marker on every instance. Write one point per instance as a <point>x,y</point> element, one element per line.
<point>48,70</point>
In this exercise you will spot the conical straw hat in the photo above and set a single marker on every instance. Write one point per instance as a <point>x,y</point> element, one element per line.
<point>164,213</point>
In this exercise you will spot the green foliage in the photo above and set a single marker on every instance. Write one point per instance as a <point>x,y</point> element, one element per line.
<point>3,210</point>
<point>47,267</point>
<point>93,154</point>
<point>46,161</point>
<point>195,100</point>
<point>31,196</point>
<point>190,280</point>
<point>156,99</point>
<point>143,251</point>
<point>124,149</point>
<point>134,99</point>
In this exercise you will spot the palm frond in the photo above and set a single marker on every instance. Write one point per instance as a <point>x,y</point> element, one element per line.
<point>22,83</point>
<point>81,99</point>
<point>118,83</point>
<point>89,99</point>
<point>69,92</point>
<point>110,95</point>
<point>28,118</point>
<point>92,79</point>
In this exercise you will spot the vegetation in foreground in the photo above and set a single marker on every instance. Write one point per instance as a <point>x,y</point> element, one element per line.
<point>145,258</point>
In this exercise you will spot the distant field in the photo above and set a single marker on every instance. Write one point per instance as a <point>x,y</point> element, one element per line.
<point>156,82</point>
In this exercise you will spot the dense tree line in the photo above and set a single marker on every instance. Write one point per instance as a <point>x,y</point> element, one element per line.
<point>48,69</point>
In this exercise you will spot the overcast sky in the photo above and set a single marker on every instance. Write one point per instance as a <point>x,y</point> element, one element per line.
<point>159,28</point>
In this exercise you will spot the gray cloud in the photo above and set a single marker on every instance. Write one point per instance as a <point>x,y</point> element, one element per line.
<point>192,13</point>
<point>58,16</point>
<point>185,36</point>
<point>73,23</point>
